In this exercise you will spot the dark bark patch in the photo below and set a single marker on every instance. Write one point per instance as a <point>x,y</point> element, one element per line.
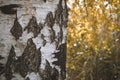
<point>16,30</point>
<point>49,19</point>
<point>52,36</point>
<point>60,35</point>
<point>1,57</point>
<point>65,15</point>
<point>50,22</point>
<point>33,27</point>
<point>58,13</point>
<point>9,68</point>
<point>61,15</point>
<point>41,25</point>
<point>27,78</point>
<point>61,56</point>
<point>44,0</point>
<point>1,68</point>
<point>9,9</point>
<point>20,67</point>
<point>44,41</point>
<point>54,74</point>
<point>47,71</point>
<point>30,59</point>
<point>50,73</point>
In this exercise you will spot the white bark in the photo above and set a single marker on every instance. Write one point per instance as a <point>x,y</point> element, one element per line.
<point>41,24</point>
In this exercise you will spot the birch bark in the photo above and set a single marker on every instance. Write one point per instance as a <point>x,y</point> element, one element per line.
<point>33,40</point>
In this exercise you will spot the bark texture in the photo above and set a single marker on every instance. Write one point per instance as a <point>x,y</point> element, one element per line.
<point>33,40</point>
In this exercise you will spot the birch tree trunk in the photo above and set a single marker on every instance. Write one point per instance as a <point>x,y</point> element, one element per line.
<point>33,39</point>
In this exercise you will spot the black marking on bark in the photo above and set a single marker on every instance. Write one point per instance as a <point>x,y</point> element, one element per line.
<point>58,13</point>
<point>65,15</point>
<point>49,19</point>
<point>54,74</point>
<point>57,44</point>
<point>41,25</point>
<point>62,48</point>
<point>52,36</point>
<point>27,78</point>
<point>1,57</point>
<point>33,27</point>
<point>44,0</point>
<point>47,71</point>
<point>42,36</point>
<point>16,30</point>
<point>1,68</point>
<point>57,56</point>
<point>37,59</point>
<point>44,41</point>
<point>30,59</point>
<point>9,9</point>
<point>61,56</point>
<point>60,35</point>
<point>31,56</point>
<point>21,67</point>
<point>50,22</point>
<point>9,67</point>
<point>30,62</point>
<point>50,73</point>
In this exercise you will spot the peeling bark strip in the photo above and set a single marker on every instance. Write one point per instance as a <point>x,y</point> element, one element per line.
<point>44,54</point>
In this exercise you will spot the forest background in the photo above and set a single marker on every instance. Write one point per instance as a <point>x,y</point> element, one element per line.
<point>93,40</point>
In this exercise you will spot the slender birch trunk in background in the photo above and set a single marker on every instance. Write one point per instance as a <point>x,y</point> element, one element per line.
<point>33,39</point>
